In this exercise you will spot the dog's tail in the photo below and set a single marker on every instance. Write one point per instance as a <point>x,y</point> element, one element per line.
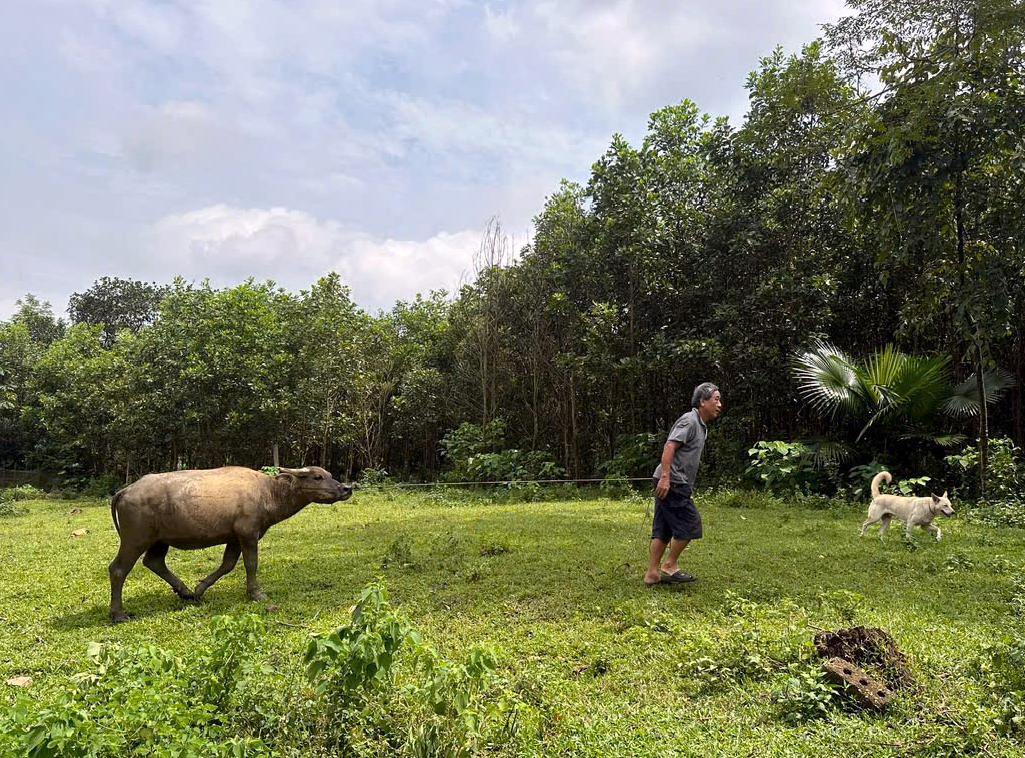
<point>880,477</point>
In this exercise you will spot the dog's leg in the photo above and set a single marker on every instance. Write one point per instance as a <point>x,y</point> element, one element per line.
<point>934,529</point>
<point>884,524</point>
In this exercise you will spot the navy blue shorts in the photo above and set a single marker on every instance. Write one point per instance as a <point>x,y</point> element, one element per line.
<point>676,515</point>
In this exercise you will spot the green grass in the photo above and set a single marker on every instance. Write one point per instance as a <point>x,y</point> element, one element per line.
<point>606,665</point>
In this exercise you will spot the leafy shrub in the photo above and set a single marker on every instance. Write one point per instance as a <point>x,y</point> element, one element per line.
<point>8,508</point>
<point>21,492</point>
<point>477,454</point>
<point>861,480</point>
<point>786,467</point>
<point>861,477</point>
<point>445,707</point>
<point>1005,474</point>
<point>1005,484</point>
<point>803,693</point>
<point>372,477</point>
<point>101,486</point>
<point>1002,670</point>
<point>12,495</point>
<point>145,701</point>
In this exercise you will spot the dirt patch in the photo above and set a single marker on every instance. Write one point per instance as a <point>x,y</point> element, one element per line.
<point>869,647</point>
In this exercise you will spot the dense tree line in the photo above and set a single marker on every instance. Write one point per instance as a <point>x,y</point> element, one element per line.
<point>838,212</point>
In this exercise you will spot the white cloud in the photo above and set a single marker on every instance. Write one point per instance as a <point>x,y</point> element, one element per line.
<point>294,249</point>
<point>501,25</point>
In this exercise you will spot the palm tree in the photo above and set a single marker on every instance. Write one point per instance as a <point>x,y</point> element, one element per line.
<point>889,391</point>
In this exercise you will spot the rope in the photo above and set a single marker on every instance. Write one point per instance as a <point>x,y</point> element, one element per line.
<point>522,481</point>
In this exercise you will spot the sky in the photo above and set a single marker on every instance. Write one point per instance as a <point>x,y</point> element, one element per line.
<point>283,139</point>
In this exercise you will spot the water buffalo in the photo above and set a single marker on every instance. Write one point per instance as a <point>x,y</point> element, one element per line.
<point>189,510</point>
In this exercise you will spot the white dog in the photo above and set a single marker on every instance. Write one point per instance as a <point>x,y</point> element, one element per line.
<point>913,511</point>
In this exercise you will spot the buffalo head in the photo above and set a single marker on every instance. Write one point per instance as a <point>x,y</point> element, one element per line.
<point>317,484</point>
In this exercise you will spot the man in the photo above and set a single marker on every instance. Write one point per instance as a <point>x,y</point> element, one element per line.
<point>677,521</point>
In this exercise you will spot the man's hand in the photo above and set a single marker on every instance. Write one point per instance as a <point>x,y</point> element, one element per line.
<point>662,486</point>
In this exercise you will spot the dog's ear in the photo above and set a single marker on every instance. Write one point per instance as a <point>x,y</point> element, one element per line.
<point>936,498</point>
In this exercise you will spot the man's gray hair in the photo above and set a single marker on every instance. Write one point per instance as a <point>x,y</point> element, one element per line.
<point>702,392</point>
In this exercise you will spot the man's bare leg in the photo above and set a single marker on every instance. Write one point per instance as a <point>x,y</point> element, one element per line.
<point>675,548</point>
<point>654,556</point>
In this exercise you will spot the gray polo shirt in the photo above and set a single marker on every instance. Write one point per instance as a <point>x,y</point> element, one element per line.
<point>689,430</point>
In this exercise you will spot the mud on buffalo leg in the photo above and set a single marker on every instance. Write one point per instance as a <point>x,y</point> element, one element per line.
<point>232,551</point>
<point>155,561</point>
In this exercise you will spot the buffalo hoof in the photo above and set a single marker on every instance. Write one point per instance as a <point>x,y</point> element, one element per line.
<point>116,617</point>
<point>258,595</point>
<point>186,594</point>
<point>198,592</point>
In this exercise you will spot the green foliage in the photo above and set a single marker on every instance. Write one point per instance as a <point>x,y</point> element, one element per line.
<point>99,486</point>
<point>861,477</point>
<point>356,659</point>
<point>8,509</point>
<point>783,466</point>
<point>843,604</point>
<point>21,492</point>
<point>889,390</point>
<point>38,319</point>
<point>635,456</point>
<point>146,701</point>
<point>116,304</point>
<point>1005,482</point>
<point>373,477</point>
<point>804,693</point>
<point>477,454</point>
<point>449,707</point>
<point>398,554</point>
<point>731,497</point>
<point>1001,668</point>
<point>10,496</point>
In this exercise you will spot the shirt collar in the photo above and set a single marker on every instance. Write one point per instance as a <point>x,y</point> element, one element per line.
<point>700,420</point>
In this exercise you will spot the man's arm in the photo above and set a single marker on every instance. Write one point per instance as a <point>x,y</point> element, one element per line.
<point>662,486</point>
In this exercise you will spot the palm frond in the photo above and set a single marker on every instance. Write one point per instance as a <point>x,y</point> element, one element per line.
<point>946,439</point>
<point>924,382</point>
<point>826,379</point>
<point>825,452</point>
<point>964,400</point>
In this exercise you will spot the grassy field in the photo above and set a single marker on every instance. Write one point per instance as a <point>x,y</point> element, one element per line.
<point>599,664</point>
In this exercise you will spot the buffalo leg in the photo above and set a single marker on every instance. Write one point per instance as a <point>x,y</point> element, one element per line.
<point>155,562</point>
<point>123,562</point>
<point>249,558</point>
<point>231,553</point>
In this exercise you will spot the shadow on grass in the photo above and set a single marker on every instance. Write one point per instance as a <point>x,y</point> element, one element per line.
<point>142,605</point>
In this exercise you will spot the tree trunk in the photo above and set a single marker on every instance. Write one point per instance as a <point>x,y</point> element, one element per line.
<point>573,428</point>
<point>983,424</point>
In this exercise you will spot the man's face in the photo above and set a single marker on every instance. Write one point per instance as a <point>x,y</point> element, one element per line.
<point>710,408</point>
